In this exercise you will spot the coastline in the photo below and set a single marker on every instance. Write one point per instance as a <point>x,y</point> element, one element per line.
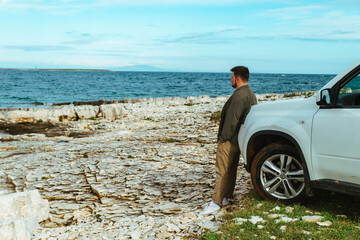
<point>138,169</point>
<point>54,69</point>
<point>261,97</point>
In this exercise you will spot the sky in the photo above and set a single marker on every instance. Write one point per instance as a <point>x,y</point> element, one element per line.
<point>268,36</point>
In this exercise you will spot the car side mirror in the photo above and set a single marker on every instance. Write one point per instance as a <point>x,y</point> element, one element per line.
<point>325,99</point>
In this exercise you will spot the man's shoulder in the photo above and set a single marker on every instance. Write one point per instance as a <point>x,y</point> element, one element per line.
<point>243,92</point>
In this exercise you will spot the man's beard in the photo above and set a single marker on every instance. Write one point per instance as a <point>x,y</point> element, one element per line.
<point>234,85</point>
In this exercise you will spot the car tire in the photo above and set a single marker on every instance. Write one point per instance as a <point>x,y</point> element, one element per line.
<point>278,174</point>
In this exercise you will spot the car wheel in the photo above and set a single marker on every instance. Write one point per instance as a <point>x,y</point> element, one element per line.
<point>278,174</point>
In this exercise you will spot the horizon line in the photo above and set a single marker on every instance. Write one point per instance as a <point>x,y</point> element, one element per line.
<point>154,71</point>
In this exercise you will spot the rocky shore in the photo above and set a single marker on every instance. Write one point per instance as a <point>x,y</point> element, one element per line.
<point>141,169</point>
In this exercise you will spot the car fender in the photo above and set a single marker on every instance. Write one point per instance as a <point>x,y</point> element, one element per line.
<point>291,119</point>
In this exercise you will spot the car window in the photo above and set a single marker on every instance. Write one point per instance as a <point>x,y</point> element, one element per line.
<point>349,94</point>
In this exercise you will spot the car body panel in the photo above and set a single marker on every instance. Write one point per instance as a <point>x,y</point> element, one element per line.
<point>292,117</point>
<point>335,144</point>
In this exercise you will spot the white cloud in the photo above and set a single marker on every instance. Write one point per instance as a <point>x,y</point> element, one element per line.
<point>335,25</point>
<point>292,12</point>
<point>218,35</point>
<point>38,48</point>
<point>345,3</point>
<point>85,4</point>
<point>314,23</point>
<point>335,19</point>
<point>182,2</point>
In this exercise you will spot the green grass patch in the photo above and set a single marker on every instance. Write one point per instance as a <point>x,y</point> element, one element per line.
<point>290,95</point>
<point>171,140</point>
<point>299,94</point>
<point>216,116</point>
<point>309,94</point>
<point>189,104</point>
<point>332,208</point>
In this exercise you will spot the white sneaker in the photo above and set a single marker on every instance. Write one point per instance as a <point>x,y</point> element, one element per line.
<point>211,208</point>
<point>225,202</point>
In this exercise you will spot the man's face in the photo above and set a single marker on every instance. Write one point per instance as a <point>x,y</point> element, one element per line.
<point>233,81</point>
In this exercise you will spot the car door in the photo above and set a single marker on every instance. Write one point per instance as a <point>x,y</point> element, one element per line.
<point>336,135</point>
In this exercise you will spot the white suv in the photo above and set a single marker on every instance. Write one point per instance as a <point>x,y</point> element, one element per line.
<point>293,146</point>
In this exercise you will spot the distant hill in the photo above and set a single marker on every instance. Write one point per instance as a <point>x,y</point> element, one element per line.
<point>56,69</point>
<point>141,68</point>
<point>133,68</point>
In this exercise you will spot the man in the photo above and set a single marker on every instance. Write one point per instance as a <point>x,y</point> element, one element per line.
<point>227,156</point>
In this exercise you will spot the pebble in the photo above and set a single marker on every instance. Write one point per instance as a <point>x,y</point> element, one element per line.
<point>289,209</point>
<point>275,215</point>
<point>256,219</point>
<point>211,225</point>
<point>277,208</point>
<point>324,224</point>
<point>240,220</point>
<point>288,219</point>
<point>72,235</point>
<point>313,219</point>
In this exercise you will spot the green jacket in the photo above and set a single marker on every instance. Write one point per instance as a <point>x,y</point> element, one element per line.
<point>234,112</point>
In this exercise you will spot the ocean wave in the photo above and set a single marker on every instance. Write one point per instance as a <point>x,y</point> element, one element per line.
<point>38,103</point>
<point>22,98</point>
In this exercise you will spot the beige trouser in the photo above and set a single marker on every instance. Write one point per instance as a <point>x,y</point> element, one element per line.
<point>227,159</point>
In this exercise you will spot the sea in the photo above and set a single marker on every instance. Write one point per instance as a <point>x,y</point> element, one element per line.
<point>42,88</point>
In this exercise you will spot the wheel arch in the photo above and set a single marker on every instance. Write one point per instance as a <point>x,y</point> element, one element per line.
<point>262,138</point>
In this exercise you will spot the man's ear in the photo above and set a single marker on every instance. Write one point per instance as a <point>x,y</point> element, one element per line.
<point>238,79</point>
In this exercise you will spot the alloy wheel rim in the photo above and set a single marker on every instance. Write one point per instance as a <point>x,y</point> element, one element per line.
<point>282,176</point>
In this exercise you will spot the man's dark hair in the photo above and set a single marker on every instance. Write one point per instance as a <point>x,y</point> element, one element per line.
<point>242,72</point>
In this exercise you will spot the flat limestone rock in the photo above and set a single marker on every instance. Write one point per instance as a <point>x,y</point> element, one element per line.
<point>23,205</point>
<point>18,229</point>
<point>20,214</point>
<point>168,208</point>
